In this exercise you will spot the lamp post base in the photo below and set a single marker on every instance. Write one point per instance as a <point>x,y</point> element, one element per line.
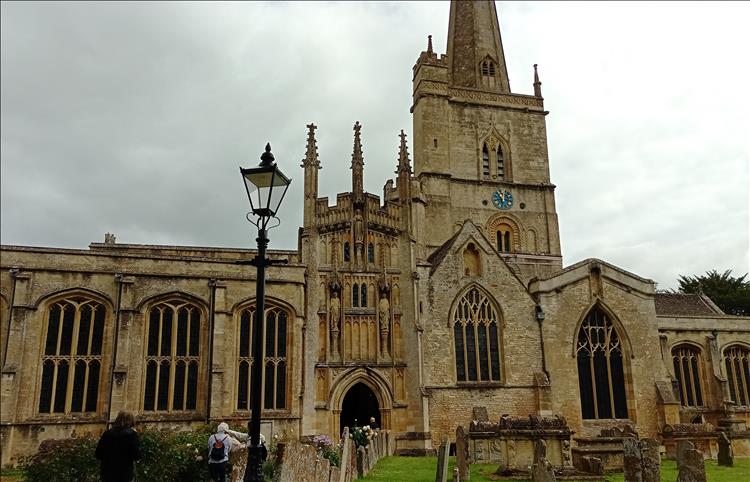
<point>255,457</point>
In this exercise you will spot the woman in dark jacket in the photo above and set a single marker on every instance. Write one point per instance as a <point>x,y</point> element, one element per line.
<point>118,448</point>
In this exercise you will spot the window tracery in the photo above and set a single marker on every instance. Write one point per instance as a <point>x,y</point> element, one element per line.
<point>737,364</point>
<point>72,357</point>
<point>476,338</point>
<point>687,369</point>
<point>601,376</point>
<point>275,360</point>
<point>173,356</point>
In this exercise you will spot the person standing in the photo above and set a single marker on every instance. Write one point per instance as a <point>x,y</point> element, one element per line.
<point>118,448</point>
<point>219,444</point>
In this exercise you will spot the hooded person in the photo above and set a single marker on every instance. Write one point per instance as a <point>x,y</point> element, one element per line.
<point>219,444</point>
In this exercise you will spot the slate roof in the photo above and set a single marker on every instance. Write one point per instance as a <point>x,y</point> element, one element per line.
<point>678,304</point>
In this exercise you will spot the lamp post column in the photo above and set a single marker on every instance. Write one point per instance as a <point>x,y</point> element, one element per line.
<point>254,471</point>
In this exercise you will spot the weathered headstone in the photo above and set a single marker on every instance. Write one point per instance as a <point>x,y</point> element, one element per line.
<point>462,454</point>
<point>682,446</point>
<point>592,465</point>
<point>335,474</point>
<point>726,457</point>
<point>442,465</point>
<point>361,462</point>
<point>456,477</point>
<point>346,467</point>
<point>541,469</point>
<point>631,455</point>
<point>692,468</point>
<point>479,414</point>
<point>650,460</point>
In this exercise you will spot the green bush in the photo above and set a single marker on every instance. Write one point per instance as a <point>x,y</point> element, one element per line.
<point>166,456</point>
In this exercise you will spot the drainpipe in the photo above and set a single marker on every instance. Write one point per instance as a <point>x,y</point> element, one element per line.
<point>211,326</point>
<point>13,274</point>
<point>118,280</point>
<point>540,318</point>
<point>302,378</point>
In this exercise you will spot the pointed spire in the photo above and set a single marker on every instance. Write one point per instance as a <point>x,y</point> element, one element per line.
<point>357,163</point>
<point>429,44</point>
<point>311,153</point>
<point>404,164</point>
<point>537,84</point>
<point>475,50</point>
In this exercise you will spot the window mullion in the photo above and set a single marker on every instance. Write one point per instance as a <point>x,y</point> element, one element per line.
<point>60,324</point>
<point>54,386</point>
<point>173,358</point>
<point>84,396</point>
<point>466,352</point>
<point>72,358</point>
<point>593,381</point>
<point>692,374</point>
<point>741,360</point>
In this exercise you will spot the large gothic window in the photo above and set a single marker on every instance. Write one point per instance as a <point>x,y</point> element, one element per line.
<point>274,358</point>
<point>687,369</point>
<point>173,340</point>
<point>601,377</point>
<point>72,359</point>
<point>737,363</point>
<point>476,338</point>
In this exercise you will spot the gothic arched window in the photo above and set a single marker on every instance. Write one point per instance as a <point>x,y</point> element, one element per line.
<point>737,363</point>
<point>355,295</point>
<point>601,377</point>
<point>487,68</point>
<point>500,162</point>
<point>363,297</point>
<point>476,338</point>
<point>687,369</point>
<point>72,358</point>
<point>274,358</point>
<point>370,253</point>
<point>485,161</point>
<point>173,356</point>
<point>347,255</point>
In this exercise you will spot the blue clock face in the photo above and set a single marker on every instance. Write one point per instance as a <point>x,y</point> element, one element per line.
<point>502,199</point>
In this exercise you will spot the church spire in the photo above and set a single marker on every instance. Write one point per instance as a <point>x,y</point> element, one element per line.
<point>357,163</point>
<point>475,50</point>
<point>537,84</point>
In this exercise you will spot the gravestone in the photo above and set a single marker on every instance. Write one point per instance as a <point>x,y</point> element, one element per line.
<point>631,455</point>
<point>347,469</point>
<point>442,465</point>
<point>479,414</point>
<point>726,457</point>
<point>682,446</point>
<point>541,469</point>
<point>462,454</point>
<point>691,467</point>
<point>362,465</point>
<point>592,465</point>
<point>456,477</point>
<point>650,460</point>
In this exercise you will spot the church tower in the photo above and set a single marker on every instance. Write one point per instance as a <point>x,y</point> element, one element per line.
<point>480,151</point>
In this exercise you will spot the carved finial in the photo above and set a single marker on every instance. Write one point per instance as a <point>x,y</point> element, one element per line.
<point>266,159</point>
<point>537,84</point>
<point>404,164</point>
<point>429,44</point>
<point>357,153</point>
<point>311,153</point>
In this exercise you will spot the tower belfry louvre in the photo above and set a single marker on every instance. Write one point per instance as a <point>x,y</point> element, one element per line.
<point>446,294</point>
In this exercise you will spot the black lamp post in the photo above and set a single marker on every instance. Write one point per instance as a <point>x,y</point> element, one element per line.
<point>266,187</point>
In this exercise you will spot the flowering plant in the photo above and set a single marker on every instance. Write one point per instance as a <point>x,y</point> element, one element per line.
<point>326,449</point>
<point>361,435</point>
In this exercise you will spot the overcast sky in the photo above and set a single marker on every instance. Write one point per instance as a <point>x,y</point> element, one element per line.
<point>133,118</point>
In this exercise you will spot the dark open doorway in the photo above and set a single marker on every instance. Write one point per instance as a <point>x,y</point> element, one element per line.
<point>359,404</point>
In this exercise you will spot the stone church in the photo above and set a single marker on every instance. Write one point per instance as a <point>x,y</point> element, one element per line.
<point>445,294</point>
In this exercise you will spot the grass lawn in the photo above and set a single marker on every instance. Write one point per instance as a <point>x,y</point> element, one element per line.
<point>416,469</point>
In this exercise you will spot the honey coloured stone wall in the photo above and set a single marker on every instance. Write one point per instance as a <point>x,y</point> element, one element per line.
<point>627,301</point>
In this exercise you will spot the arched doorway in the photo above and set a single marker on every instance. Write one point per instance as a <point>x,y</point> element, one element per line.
<point>359,404</point>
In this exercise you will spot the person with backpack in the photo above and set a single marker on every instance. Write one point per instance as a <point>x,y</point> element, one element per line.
<point>219,444</point>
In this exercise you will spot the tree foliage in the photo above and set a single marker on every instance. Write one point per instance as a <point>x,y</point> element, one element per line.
<point>730,293</point>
